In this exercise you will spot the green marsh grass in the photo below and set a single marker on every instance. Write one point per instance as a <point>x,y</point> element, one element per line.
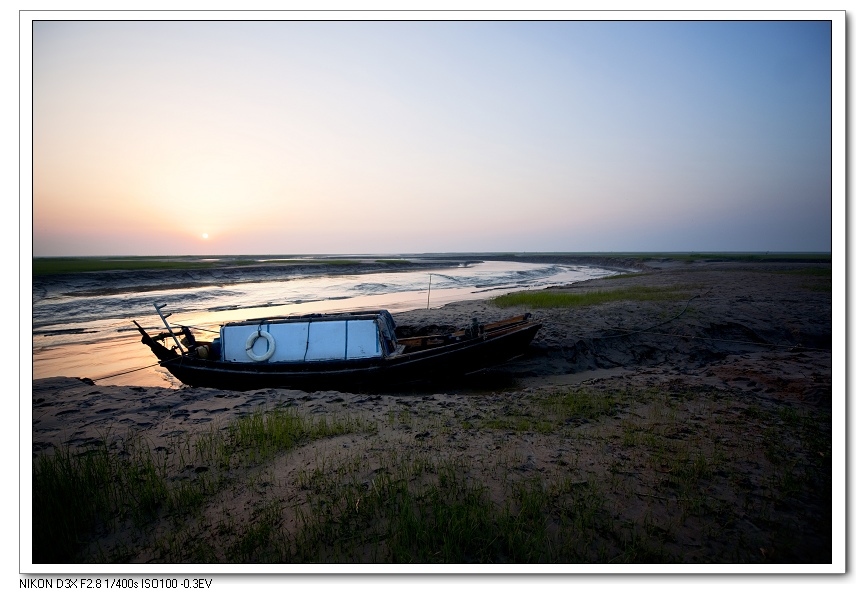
<point>264,433</point>
<point>79,491</point>
<point>818,279</point>
<point>543,299</point>
<point>75,265</point>
<point>433,512</point>
<point>643,472</point>
<point>550,412</point>
<point>72,265</point>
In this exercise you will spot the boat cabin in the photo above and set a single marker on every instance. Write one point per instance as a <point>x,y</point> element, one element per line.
<point>317,337</point>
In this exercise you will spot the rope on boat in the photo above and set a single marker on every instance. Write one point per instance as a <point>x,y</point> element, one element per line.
<point>204,329</point>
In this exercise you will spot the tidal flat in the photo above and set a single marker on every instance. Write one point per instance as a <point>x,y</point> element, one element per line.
<point>686,417</point>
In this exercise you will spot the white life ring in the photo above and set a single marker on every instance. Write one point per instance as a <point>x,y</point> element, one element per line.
<point>271,345</point>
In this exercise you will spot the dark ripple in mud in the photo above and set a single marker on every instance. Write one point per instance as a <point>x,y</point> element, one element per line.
<point>372,288</point>
<point>67,331</point>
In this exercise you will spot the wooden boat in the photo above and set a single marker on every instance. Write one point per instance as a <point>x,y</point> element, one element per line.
<point>353,351</point>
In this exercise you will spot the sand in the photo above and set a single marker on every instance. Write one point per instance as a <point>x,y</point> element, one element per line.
<point>735,371</point>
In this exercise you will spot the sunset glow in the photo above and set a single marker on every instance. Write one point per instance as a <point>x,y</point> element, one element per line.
<point>374,137</point>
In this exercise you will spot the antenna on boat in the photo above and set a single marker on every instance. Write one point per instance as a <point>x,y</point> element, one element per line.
<point>164,321</point>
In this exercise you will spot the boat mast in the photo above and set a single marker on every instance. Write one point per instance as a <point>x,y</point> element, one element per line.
<point>164,321</point>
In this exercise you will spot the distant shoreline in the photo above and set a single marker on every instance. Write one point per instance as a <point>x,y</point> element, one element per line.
<point>102,276</point>
<point>51,265</point>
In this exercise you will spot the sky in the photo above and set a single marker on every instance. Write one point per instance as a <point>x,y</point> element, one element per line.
<point>294,137</point>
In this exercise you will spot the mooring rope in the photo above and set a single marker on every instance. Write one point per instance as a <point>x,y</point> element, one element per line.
<point>99,379</point>
<point>654,325</point>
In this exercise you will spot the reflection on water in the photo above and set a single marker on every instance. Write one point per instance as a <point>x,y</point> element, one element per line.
<point>93,336</point>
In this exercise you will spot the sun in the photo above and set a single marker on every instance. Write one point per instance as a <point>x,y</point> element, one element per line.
<point>204,236</point>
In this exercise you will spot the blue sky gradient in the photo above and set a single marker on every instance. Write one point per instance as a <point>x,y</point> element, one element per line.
<point>372,137</point>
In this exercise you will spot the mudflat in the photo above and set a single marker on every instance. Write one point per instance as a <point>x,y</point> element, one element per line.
<point>687,418</point>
